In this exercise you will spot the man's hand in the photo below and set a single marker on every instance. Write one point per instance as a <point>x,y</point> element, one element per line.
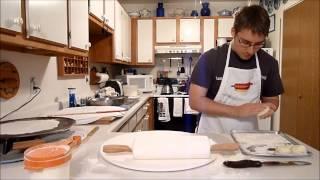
<point>260,110</point>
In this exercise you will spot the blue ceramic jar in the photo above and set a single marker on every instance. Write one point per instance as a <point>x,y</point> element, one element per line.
<point>205,11</point>
<point>160,10</point>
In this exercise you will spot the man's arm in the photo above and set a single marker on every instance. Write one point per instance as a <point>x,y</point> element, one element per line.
<point>199,101</point>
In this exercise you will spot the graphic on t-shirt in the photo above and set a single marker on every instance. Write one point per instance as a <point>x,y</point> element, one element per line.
<point>242,86</point>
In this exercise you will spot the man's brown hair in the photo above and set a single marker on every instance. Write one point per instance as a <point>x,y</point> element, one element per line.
<point>254,18</point>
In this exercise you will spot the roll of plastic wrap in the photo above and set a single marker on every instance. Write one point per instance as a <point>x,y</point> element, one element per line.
<point>103,77</point>
<point>171,147</point>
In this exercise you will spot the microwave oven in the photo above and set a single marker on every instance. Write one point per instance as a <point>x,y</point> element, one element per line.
<point>144,82</point>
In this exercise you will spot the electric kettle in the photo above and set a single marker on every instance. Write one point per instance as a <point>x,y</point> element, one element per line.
<point>167,88</point>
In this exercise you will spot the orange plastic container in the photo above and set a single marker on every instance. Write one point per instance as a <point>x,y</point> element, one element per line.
<point>48,161</point>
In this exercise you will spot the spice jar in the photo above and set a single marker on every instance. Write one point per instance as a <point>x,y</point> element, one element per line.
<point>48,161</point>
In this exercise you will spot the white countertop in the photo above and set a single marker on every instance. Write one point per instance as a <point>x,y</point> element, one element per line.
<point>86,162</point>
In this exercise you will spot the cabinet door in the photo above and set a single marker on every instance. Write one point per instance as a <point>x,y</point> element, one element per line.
<point>118,31</point>
<point>10,11</point>
<point>145,45</point>
<point>224,27</point>
<point>189,30</point>
<point>47,20</point>
<point>208,34</point>
<point>109,12</point>
<point>96,8</point>
<point>166,30</point>
<point>79,24</point>
<point>126,36</point>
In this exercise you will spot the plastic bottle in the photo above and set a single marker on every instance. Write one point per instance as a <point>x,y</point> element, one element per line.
<point>72,97</point>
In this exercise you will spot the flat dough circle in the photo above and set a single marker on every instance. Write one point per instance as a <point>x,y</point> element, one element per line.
<point>24,127</point>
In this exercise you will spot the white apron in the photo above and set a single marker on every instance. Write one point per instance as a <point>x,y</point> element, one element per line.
<point>238,86</point>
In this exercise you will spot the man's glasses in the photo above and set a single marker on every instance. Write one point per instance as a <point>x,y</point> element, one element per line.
<point>247,44</point>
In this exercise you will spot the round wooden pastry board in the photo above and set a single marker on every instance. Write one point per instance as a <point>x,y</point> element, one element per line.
<point>9,80</point>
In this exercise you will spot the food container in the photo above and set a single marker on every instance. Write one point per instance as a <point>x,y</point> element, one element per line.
<point>48,161</point>
<point>130,90</point>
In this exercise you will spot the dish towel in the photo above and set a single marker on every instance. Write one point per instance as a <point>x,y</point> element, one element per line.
<point>187,108</point>
<point>177,107</point>
<point>163,110</point>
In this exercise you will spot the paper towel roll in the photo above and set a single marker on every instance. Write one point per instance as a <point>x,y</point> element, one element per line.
<point>103,77</point>
<point>171,147</point>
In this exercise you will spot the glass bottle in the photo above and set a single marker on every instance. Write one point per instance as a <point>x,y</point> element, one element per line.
<point>160,10</point>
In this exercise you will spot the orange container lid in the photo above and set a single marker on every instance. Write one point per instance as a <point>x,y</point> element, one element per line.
<point>46,156</point>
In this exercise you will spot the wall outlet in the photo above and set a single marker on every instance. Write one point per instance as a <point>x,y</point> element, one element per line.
<point>33,89</point>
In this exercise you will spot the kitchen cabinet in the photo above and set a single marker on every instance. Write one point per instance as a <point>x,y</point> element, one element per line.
<point>79,24</point>
<point>96,8</point>
<point>178,31</point>
<point>224,27</point>
<point>166,30</point>
<point>103,10</point>
<point>47,20</point>
<point>142,47</point>
<point>10,11</point>
<point>122,33</point>
<point>189,30</point>
<point>45,25</point>
<point>142,120</point>
<point>209,34</point>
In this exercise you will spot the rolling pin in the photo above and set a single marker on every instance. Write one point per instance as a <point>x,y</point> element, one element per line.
<point>170,147</point>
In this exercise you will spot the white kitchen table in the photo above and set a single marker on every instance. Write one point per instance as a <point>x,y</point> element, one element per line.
<point>87,163</point>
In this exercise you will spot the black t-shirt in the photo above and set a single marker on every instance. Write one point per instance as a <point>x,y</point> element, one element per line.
<point>209,70</point>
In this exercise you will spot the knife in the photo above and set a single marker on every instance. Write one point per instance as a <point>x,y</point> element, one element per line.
<point>252,163</point>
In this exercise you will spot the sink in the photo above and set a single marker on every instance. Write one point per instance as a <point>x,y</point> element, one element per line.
<point>122,101</point>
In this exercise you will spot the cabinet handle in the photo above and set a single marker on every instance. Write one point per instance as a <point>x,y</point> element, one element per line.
<point>88,45</point>
<point>18,21</point>
<point>35,28</point>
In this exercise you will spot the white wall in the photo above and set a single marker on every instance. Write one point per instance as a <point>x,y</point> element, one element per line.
<point>54,90</point>
<point>276,43</point>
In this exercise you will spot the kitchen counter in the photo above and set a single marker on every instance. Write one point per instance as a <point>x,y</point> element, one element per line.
<point>87,163</point>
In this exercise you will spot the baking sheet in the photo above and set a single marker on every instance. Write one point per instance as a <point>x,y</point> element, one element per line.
<point>263,143</point>
<point>126,160</point>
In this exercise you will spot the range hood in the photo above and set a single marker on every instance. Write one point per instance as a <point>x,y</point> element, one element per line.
<point>177,49</point>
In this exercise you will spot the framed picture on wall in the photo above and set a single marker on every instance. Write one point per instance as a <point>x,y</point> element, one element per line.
<point>272,23</point>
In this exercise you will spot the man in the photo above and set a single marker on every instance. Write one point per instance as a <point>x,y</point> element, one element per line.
<point>237,83</point>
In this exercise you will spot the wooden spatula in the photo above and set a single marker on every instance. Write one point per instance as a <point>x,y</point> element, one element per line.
<point>115,148</point>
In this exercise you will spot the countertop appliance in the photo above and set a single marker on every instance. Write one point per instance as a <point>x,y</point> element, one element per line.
<point>144,82</point>
<point>167,87</point>
<point>116,85</point>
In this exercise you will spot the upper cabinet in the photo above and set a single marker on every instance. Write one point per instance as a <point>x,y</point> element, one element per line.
<point>47,20</point>
<point>142,47</point>
<point>79,24</point>
<point>10,12</point>
<point>208,34</point>
<point>224,27</point>
<point>177,31</point>
<point>122,34</point>
<point>46,26</point>
<point>103,10</point>
<point>96,8</point>
<point>166,30</point>
<point>109,6</point>
<point>189,30</point>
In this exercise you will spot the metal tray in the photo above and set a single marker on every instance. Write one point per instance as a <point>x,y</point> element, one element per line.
<point>263,143</point>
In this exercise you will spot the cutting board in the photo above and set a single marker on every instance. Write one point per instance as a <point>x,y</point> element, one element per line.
<point>9,80</point>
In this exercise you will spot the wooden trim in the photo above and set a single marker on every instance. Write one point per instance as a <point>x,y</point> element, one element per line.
<point>177,31</point>
<point>201,33</point>
<point>134,41</point>
<point>19,43</point>
<point>216,25</point>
